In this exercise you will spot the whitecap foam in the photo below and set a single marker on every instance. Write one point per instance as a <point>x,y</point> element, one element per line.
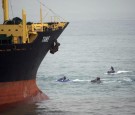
<point>118,72</point>
<point>111,73</point>
<point>127,79</point>
<point>79,80</point>
<point>108,81</point>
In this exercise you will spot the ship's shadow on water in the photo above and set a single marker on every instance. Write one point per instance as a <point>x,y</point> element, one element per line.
<point>28,109</point>
<point>39,108</point>
<point>21,109</point>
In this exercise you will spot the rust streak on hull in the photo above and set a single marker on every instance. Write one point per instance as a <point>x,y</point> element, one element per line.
<point>18,91</point>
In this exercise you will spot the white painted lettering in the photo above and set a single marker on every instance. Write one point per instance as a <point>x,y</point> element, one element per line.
<point>45,38</point>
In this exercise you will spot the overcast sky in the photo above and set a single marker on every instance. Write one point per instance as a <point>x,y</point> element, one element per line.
<point>73,10</point>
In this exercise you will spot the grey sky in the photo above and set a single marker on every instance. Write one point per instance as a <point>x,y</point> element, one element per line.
<point>73,10</point>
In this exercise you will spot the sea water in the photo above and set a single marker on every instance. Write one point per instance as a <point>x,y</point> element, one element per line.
<point>88,50</point>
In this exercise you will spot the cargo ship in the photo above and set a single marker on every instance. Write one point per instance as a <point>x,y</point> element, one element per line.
<point>23,46</point>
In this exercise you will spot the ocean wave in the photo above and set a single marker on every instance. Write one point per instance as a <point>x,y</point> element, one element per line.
<point>122,80</point>
<point>127,79</point>
<point>119,72</point>
<point>106,80</point>
<point>78,80</point>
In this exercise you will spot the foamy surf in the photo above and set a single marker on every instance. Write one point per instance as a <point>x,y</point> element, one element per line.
<point>125,79</point>
<point>118,72</point>
<point>78,80</point>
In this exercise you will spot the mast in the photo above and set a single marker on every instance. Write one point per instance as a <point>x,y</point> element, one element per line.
<point>41,20</point>
<point>24,26</point>
<point>5,9</point>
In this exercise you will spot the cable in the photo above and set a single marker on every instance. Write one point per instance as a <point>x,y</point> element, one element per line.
<point>50,10</point>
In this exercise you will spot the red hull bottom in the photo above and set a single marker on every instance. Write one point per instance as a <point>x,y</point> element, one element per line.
<point>20,91</point>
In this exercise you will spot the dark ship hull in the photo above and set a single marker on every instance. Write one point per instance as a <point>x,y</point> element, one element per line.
<point>18,68</point>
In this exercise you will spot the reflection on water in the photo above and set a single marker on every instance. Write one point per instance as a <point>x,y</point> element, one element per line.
<point>39,108</point>
<point>21,109</point>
